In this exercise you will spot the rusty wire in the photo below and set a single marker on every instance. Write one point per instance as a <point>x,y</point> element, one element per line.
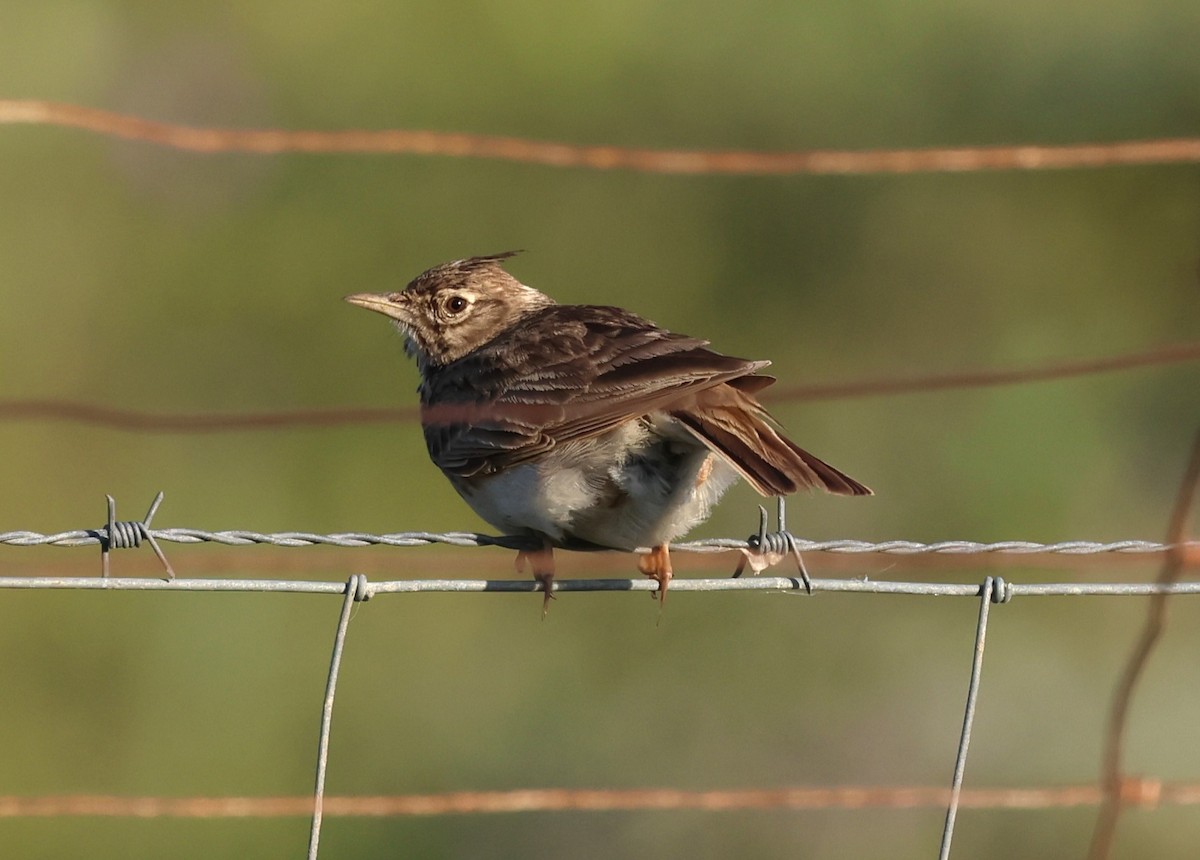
<point>561,155</point>
<point>134,421</point>
<point>1112,761</point>
<point>1143,792</point>
<point>1116,790</point>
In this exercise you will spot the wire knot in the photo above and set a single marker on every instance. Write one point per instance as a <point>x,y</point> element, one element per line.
<point>1001,590</point>
<point>127,534</point>
<point>767,548</point>
<point>360,588</point>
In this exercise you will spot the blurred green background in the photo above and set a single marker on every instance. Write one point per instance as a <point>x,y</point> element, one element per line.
<point>163,281</point>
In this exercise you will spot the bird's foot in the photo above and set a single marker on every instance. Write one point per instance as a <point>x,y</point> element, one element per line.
<point>542,563</point>
<point>767,548</point>
<point>656,564</point>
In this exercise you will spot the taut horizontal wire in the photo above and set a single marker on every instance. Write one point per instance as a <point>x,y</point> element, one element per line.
<point>238,537</point>
<point>1006,590</point>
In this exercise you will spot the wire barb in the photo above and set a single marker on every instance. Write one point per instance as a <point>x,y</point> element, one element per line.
<point>767,548</point>
<point>126,534</point>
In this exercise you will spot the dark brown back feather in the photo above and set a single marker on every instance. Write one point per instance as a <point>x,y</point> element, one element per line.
<point>570,372</point>
<point>564,372</point>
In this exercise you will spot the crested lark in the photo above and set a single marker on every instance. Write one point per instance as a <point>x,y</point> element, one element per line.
<point>584,426</point>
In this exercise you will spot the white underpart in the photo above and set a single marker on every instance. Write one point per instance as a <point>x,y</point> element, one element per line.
<point>642,484</point>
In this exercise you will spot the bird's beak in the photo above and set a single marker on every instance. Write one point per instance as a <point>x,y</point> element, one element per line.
<point>389,304</point>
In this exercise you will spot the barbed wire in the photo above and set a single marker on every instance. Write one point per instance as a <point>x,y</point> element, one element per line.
<point>241,537</point>
<point>380,562</point>
<point>993,590</point>
<point>99,415</point>
<point>561,155</point>
<point>119,534</point>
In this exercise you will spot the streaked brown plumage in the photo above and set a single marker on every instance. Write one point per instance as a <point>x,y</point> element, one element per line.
<point>585,426</point>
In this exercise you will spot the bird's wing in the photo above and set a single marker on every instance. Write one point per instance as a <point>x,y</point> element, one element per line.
<point>732,423</point>
<point>566,373</point>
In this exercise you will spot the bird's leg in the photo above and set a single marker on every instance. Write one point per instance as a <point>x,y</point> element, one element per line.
<point>656,564</point>
<point>542,562</point>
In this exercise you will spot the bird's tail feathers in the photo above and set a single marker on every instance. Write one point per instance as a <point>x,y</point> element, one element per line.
<point>742,432</point>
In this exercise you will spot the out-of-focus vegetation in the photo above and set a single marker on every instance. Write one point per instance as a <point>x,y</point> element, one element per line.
<point>166,281</point>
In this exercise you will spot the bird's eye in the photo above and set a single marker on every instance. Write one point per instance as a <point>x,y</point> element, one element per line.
<point>456,304</point>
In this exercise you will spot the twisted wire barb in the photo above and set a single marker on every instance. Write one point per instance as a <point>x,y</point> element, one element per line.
<point>118,534</point>
<point>767,548</point>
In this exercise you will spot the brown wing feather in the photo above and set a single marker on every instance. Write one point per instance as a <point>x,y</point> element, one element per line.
<point>735,425</point>
<point>570,372</point>
<point>567,372</point>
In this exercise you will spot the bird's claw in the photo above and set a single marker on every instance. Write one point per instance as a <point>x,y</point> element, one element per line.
<point>547,593</point>
<point>542,562</point>
<point>656,564</point>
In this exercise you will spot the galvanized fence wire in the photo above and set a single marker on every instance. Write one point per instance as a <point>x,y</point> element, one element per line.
<point>240,537</point>
<point>115,534</point>
<point>355,592</point>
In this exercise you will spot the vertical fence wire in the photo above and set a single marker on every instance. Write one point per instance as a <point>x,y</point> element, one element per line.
<point>992,586</point>
<point>356,590</point>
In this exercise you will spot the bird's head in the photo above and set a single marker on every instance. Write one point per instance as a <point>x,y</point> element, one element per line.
<point>455,308</point>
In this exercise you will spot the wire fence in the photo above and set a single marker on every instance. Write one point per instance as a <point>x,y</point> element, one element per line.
<point>1115,792</point>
